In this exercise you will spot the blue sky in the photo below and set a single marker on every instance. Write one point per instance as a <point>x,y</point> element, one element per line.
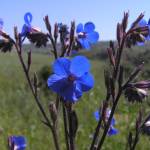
<point>104,13</point>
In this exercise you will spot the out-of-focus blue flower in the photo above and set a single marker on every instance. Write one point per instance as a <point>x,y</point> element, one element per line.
<point>64,33</point>
<point>143,23</point>
<point>74,51</point>
<point>87,35</point>
<point>148,38</point>
<point>63,29</point>
<point>112,130</point>
<point>71,77</point>
<point>1,24</point>
<point>27,26</point>
<point>17,143</point>
<point>97,115</point>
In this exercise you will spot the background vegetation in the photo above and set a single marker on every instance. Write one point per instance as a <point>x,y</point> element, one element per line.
<point>19,114</point>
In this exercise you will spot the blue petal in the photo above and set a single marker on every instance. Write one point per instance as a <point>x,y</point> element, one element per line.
<point>149,22</point>
<point>86,82</point>
<point>79,28</point>
<point>113,122</point>
<point>1,23</point>
<point>112,131</point>
<point>25,30</point>
<point>140,43</point>
<point>28,18</point>
<point>93,37</point>
<point>73,52</point>
<point>89,27</point>
<point>57,83</point>
<point>79,66</point>
<point>148,38</point>
<point>97,115</point>
<point>71,92</point>
<point>61,66</point>
<point>85,43</point>
<point>142,23</point>
<point>60,85</point>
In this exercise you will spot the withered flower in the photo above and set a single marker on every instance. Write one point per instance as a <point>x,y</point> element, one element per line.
<point>146,127</point>
<point>6,45</point>
<point>137,91</point>
<point>37,37</point>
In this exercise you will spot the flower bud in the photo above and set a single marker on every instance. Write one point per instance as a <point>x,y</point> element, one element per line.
<point>48,26</point>
<point>53,111</point>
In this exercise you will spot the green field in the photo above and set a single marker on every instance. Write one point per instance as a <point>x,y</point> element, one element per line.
<point>19,114</point>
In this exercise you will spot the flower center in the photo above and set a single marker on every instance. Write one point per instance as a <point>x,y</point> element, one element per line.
<point>71,78</point>
<point>82,35</point>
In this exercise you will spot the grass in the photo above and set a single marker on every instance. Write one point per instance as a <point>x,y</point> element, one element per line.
<point>19,114</point>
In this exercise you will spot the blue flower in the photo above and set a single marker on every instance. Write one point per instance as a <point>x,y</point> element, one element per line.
<point>112,130</point>
<point>143,23</point>
<point>17,142</point>
<point>71,77</point>
<point>87,35</point>
<point>27,26</point>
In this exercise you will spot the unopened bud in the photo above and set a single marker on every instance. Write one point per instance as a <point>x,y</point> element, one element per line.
<point>47,23</point>
<point>53,111</point>
<point>135,23</point>
<point>119,33</point>
<point>111,56</point>
<point>56,31</point>
<point>125,21</point>
<point>16,33</point>
<point>35,80</point>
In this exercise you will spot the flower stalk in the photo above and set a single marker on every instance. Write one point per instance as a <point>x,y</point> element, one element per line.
<point>18,47</point>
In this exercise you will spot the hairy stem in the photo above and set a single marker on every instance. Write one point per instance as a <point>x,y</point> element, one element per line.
<point>65,127</point>
<point>71,136</point>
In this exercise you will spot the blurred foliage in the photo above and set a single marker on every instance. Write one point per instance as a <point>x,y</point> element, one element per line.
<point>43,75</point>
